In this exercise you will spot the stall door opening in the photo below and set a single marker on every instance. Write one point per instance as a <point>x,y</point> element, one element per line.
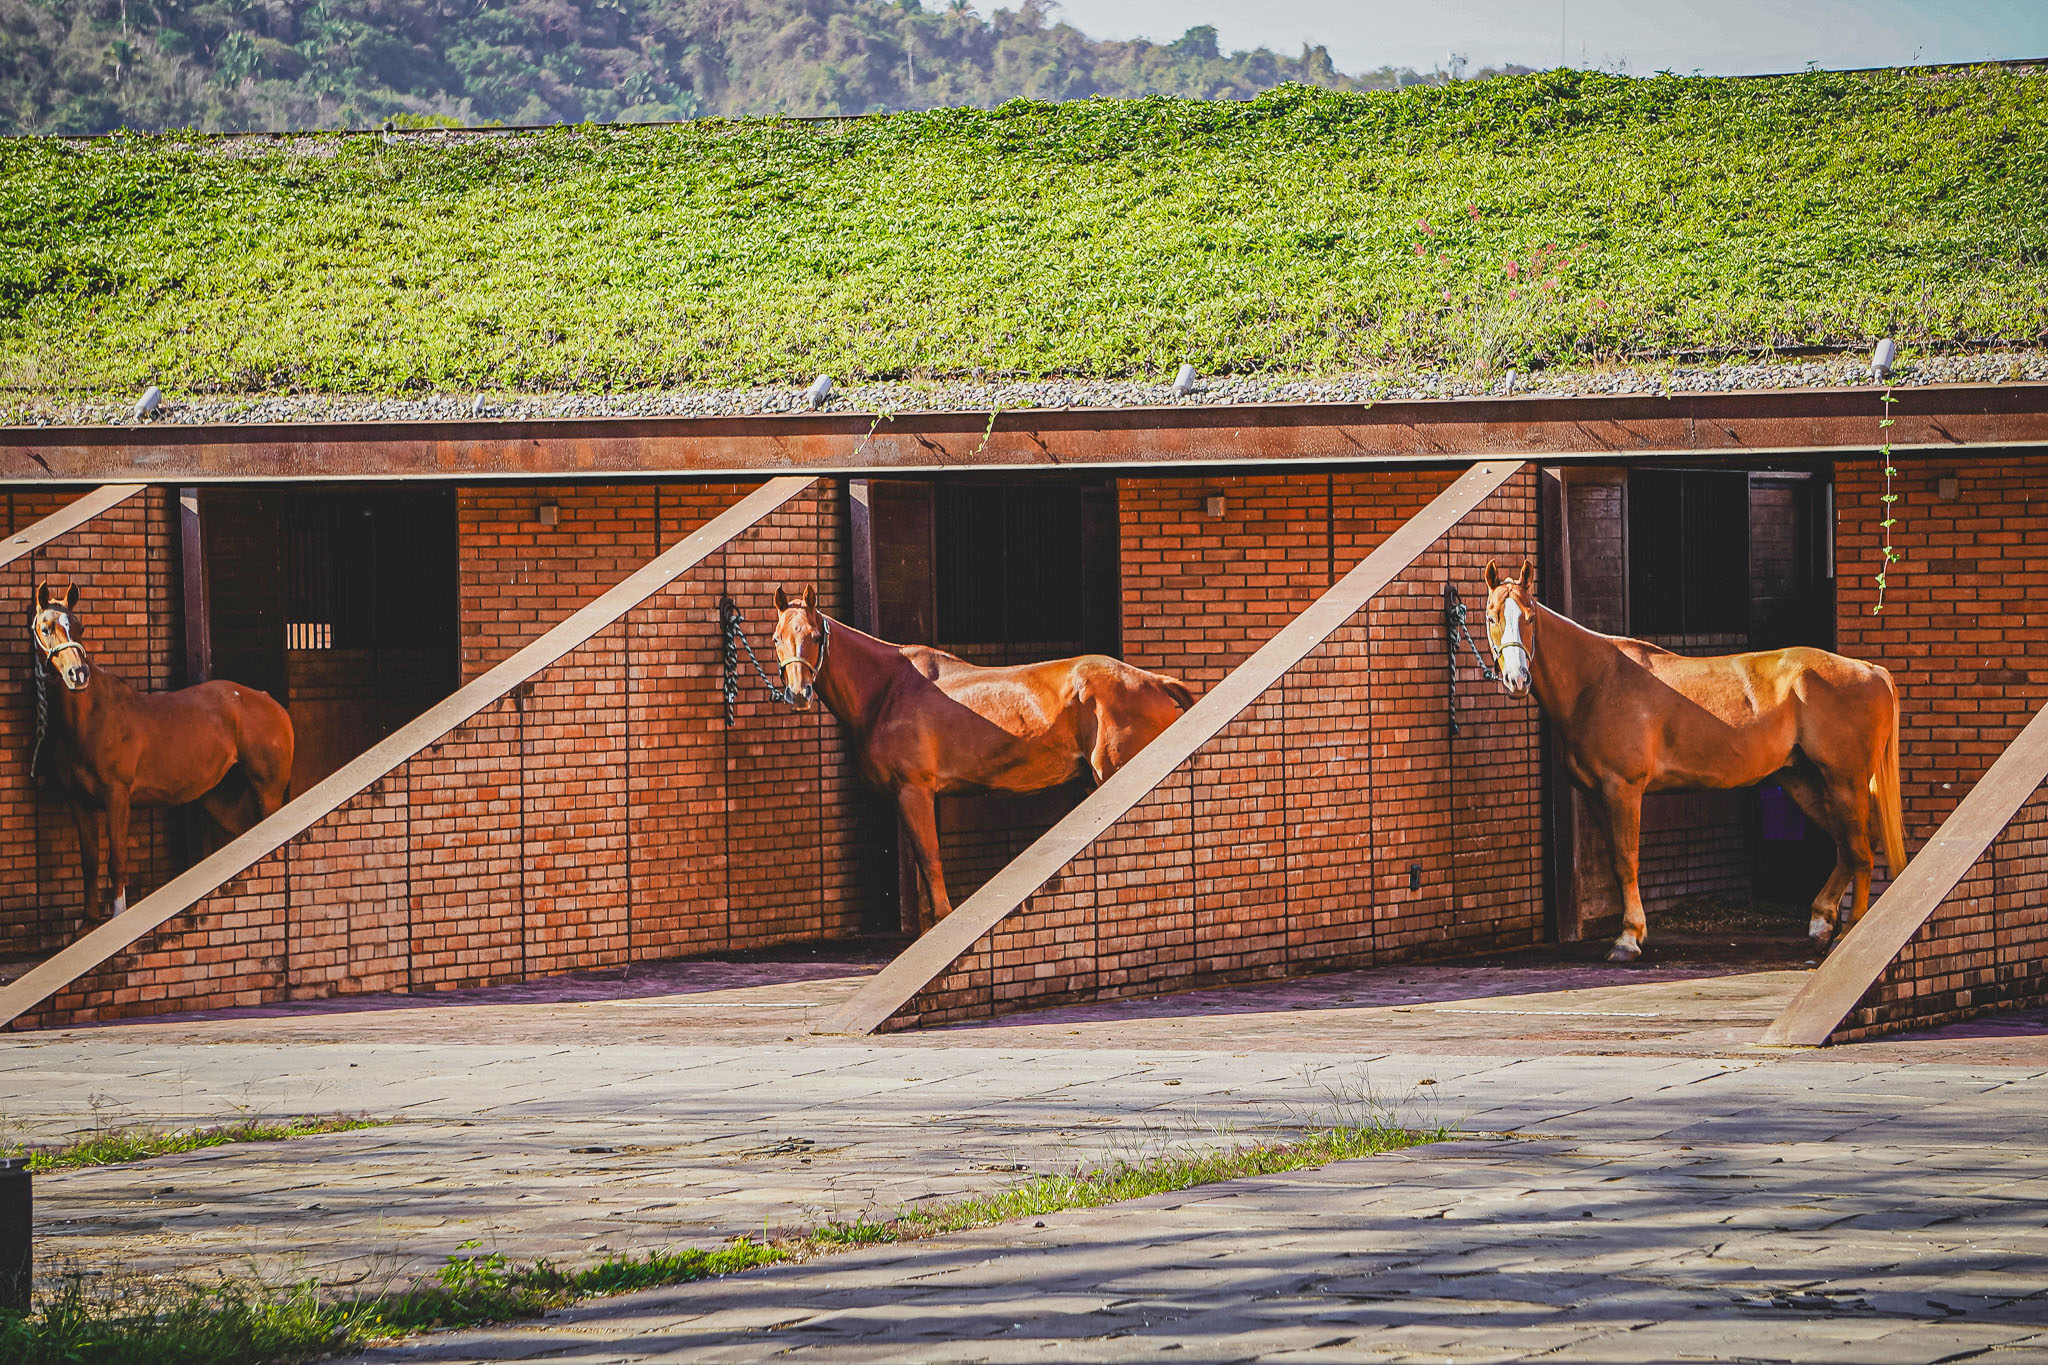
<point>341,603</point>
<point>1699,561</point>
<point>997,571</point>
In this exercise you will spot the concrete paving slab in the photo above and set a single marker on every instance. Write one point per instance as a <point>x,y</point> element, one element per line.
<point>1666,1180</point>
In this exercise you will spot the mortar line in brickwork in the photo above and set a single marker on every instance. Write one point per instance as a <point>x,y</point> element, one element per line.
<point>898,984</point>
<point>626,731</point>
<point>525,855</point>
<point>353,778</point>
<point>1861,959</point>
<point>725,787</point>
<point>411,980</point>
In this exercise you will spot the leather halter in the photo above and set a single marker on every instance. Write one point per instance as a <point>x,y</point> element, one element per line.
<point>824,644</point>
<point>50,655</point>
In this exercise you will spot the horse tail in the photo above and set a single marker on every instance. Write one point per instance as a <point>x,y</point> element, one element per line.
<point>1884,789</point>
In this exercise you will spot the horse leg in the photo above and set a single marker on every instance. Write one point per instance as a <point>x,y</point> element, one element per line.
<point>117,844</point>
<point>1623,808</point>
<point>1851,804</point>
<point>88,824</point>
<point>235,805</point>
<point>1810,797</point>
<point>921,821</point>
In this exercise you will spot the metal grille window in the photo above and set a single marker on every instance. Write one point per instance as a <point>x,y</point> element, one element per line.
<point>1688,552</point>
<point>367,570</point>
<point>1010,564</point>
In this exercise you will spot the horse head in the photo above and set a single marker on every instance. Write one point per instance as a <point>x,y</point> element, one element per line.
<point>1510,614</point>
<point>802,636</point>
<point>59,636</point>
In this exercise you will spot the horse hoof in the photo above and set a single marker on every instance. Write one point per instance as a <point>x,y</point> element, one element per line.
<point>1624,952</point>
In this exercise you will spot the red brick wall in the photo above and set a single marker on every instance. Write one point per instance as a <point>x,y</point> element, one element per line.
<point>1334,822</point>
<point>1965,632</point>
<point>601,815</point>
<point>124,562</point>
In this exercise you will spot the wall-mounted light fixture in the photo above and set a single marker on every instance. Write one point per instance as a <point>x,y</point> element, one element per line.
<point>550,514</point>
<point>1948,490</point>
<point>1214,505</point>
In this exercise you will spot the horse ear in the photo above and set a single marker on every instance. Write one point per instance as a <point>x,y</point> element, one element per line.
<point>42,593</point>
<point>1492,575</point>
<point>1529,575</point>
<point>781,600</point>
<point>71,597</point>
<point>810,597</point>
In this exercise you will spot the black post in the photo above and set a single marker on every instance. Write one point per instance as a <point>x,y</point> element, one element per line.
<point>17,1236</point>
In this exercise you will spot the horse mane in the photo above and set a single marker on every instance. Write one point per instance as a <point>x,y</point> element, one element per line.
<point>1622,642</point>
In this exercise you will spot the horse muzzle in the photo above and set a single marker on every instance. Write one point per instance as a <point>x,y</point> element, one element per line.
<point>1512,663</point>
<point>75,676</point>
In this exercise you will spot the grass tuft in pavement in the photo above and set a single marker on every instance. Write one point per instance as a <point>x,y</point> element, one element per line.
<point>183,1323</point>
<point>115,1146</point>
<point>1118,1180</point>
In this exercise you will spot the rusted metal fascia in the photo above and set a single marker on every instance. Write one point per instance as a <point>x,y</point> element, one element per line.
<point>190,887</point>
<point>925,960</point>
<point>1862,956</point>
<point>1776,423</point>
<point>65,519</point>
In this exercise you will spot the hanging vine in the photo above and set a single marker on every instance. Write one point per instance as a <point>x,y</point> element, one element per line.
<point>1891,555</point>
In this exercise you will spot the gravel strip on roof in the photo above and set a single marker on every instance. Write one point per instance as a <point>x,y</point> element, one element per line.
<point>1006,395</point>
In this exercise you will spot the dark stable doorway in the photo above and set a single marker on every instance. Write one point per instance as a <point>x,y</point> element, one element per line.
<point>997,571</point>
<point>1699,561</point>
<point>340,602</point>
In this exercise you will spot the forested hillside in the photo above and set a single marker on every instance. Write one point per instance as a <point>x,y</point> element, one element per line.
<point>90,66</point>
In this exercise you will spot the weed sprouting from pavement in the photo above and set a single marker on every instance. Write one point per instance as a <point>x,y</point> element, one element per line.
<point>115,1145</point>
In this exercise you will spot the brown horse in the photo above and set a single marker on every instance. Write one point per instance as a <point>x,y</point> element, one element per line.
<point>110,748</point>
<point>927,724</point>
<point>1633,718</point>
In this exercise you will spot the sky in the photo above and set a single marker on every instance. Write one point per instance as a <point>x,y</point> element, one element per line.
<point>1714,37</point>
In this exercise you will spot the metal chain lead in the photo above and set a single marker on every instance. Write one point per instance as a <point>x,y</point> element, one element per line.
<point>42,713</point>
<point>1454,628</point>
<point>736,638</point>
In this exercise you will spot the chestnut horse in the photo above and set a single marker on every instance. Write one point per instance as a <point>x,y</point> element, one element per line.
<point>110,748</point>
<point>927,724</point>
<point>1634,718</point>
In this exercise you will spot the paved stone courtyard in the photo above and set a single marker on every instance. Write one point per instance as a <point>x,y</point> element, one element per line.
<point>1638,1180</point>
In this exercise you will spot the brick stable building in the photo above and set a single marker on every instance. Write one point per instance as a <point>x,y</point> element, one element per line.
<point>601,811</point>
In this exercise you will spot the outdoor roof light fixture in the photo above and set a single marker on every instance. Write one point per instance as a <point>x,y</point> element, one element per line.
<point>1184,381</point>
<point>146,406</point>
<point>819,391</point>
<point>1881,359</point>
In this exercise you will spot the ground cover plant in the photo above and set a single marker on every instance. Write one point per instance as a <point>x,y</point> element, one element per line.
<point>113,1146</point>
<point>1509,223</point>
<point>230,1323</point>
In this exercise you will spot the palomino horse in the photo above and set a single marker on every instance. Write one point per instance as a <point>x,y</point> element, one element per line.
<point>1633,718</point>
<point>927,724</point>
<point>109,747</point>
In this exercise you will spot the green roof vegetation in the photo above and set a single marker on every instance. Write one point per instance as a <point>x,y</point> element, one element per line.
<point>1513,222</point>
